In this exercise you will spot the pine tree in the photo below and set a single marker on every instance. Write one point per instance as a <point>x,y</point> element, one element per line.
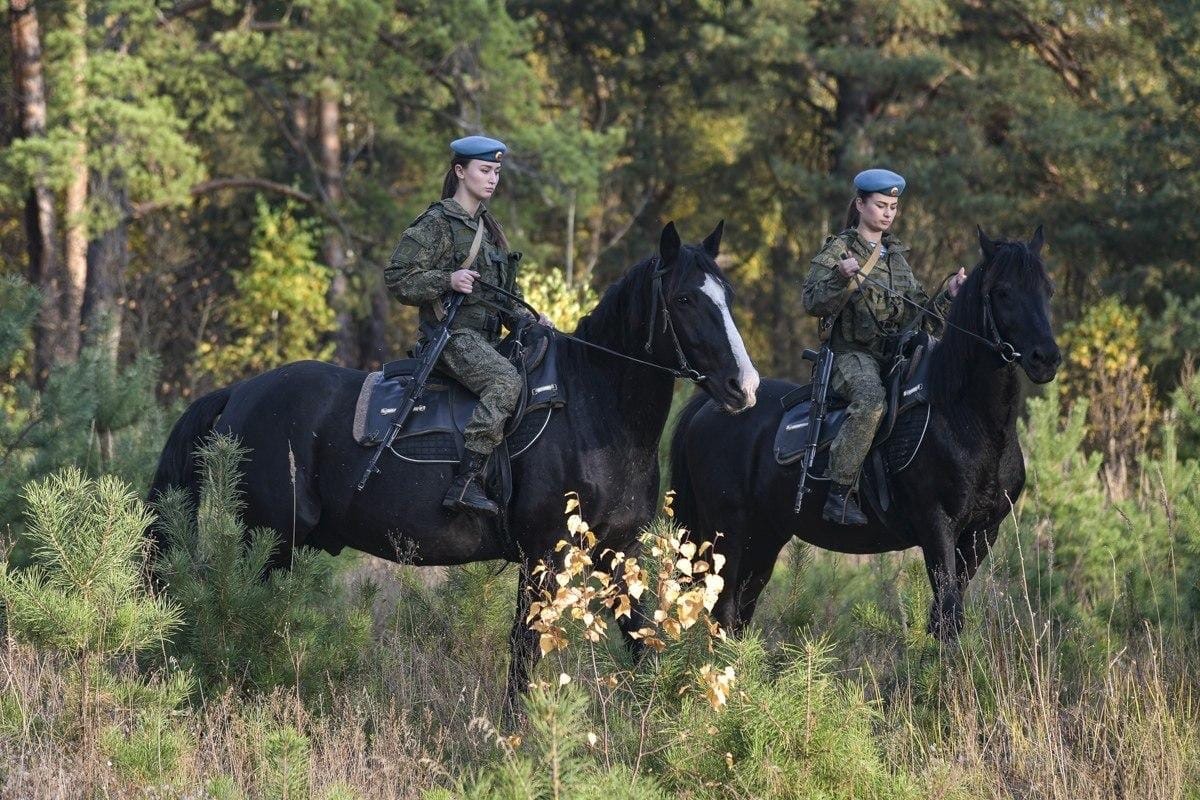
<point>244,622</point>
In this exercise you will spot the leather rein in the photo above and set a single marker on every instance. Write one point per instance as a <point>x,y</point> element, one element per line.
<point>684,370</point>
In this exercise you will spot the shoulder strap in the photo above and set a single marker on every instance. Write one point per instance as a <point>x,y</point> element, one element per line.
<point>825,327</point>
<point>438,310</point>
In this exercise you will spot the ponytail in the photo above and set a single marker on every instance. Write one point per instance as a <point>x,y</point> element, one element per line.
<point>450,186</point>
<point>851,212</point>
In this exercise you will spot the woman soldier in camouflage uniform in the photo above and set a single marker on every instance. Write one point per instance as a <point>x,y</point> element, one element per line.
<point>864,321</point>
<point>427,263</point>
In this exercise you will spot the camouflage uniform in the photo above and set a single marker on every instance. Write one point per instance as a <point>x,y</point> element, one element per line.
<point>858,343</point>
<point>433,247</point>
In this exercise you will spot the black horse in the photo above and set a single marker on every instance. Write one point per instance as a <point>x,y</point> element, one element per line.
<point>951,499</point>
<point>603,444</point>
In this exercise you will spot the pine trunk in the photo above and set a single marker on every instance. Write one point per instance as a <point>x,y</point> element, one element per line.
<point>333,250</point>
<point>41,218</point>
<point>77,189</point>
<point>108,262</point>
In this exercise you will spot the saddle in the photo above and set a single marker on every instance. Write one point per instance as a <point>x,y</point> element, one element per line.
<point>433,433</point>
<point>901,431</point>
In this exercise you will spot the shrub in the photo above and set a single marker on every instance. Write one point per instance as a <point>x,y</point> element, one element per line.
<point>245,622</point>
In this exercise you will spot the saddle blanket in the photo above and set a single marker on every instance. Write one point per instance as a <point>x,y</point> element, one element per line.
<point>433,433</point>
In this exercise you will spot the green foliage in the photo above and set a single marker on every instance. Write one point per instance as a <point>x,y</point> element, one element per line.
<point>151,752</point>
<point>283,765</point>
<point>552,760</point>
<point>245,620</point>
<point>18,307</point>
<point>91,415</point>
<point>278,312</point>
<point>83,592</point>
<point>1185,409</point>
<point>792,729</point>
<point>547,291</point>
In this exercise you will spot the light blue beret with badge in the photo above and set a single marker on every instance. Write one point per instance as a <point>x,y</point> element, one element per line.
<point>482,148</point>
<point>883,181</point>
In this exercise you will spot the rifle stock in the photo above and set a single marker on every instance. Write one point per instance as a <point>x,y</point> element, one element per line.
<point>822,367</point>
<point>416,387</point>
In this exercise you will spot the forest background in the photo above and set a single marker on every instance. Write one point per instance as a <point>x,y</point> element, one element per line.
<point>199,190</point>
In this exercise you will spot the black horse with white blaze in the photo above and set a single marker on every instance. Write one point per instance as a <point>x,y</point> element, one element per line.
<point>950,500</point>
<point>603,444</point>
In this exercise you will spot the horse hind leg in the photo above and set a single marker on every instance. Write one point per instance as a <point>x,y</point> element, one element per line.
<point>523,647</point>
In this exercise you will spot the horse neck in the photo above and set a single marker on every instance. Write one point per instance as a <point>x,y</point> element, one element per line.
<point>986,394</point>
<point>630,397</point>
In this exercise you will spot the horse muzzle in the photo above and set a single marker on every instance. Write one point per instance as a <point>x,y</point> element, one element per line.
<point>737,393</point>
<point>1041,363</point>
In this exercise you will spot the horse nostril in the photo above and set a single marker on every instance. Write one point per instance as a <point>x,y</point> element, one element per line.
<point>735,388</point>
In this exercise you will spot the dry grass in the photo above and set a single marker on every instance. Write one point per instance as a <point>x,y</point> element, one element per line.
<point>1019,709</point>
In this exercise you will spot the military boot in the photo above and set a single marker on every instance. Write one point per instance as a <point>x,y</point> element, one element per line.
<point>841,508</point>
<point>466,492</point>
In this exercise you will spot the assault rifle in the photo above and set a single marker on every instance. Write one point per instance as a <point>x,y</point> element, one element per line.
<point>430,353</point>
<point>822,366</point>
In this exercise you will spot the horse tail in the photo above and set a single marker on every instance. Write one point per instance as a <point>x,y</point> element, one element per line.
<point>177,464</point>
<point>681,478</point>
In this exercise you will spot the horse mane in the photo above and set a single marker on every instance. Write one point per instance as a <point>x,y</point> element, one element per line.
<point>624,310</point>
<point>950,368</point>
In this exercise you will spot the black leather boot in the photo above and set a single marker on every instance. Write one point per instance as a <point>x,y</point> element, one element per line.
<point>841,508</point>
<point>466,492</point>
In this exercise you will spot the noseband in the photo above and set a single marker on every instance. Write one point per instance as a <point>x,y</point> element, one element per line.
<point>1002,347</point>
<point>659,298</point>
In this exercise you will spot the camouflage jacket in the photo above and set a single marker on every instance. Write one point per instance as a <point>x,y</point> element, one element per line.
<point>869,318</point>
<point>434,246</point>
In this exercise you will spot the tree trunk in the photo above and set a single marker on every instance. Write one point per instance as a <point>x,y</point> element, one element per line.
<point>108,262</point>
<point>570,259</point>
<point>76,200</point>
<point>333,250</point>
<point>41,219</point>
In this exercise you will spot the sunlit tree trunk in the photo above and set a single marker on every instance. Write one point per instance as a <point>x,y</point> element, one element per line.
<point>333,250</point>
<point>41,219</point>
<point>75,251</point>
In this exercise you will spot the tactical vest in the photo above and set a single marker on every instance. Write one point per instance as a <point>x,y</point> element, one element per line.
<point>873,315</point>
<point>480,310</point>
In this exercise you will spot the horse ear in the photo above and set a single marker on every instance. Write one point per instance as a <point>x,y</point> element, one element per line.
<point>1035,244</point>
<point>668,244</point>
<point>985,244</point>
<point>712,245</point>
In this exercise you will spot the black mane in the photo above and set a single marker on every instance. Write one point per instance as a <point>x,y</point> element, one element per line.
<point>624,310</point>
<point>1012,261</point>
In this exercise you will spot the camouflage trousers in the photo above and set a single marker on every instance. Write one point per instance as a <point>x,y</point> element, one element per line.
<point>474,362</point>
<point>855,377</point>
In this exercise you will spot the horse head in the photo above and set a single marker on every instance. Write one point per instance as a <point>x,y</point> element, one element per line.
<point>1014,292</point>
<point>691,297</point>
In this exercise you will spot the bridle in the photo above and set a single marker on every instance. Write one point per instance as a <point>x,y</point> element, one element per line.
<point>659,298</point>
<point>1003,347</point>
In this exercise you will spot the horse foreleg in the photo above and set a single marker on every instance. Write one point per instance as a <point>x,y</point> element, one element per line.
<point>522,644</point>
<point>973,546</point>
<point>753,582</point>
<point>946,613</point>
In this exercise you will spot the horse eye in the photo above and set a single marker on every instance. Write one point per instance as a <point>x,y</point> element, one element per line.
<point>683,299</point>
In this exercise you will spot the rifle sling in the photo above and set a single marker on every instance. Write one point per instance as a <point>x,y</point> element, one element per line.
<point>825,330</point>
<point>438,311</point>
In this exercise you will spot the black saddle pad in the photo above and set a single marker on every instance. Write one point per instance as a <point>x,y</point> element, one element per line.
<point>901,430</point>
<point>434,430</point>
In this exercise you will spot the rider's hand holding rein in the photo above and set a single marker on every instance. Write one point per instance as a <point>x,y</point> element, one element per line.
<point>463,280</point>
<point>848,267</point>
<point>956,282</point>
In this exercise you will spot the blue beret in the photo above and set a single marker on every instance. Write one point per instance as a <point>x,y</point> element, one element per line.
<point>479,147</point>
<point>883,181</point>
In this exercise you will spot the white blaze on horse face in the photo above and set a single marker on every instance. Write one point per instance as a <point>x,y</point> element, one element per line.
<point>747,374</point>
